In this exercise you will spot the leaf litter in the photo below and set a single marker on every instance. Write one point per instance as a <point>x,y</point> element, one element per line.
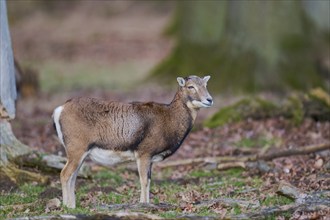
<point>309,173</point>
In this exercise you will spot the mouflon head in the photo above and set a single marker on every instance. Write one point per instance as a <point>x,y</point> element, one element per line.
<point>194,88</point>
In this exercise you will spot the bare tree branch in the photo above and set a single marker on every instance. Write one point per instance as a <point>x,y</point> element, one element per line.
<point>232,162</point>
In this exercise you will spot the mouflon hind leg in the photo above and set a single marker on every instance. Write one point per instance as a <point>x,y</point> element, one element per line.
<point>68,178</point>
<point>144,168</point>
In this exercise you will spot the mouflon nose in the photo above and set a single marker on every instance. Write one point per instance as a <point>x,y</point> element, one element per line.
<point>210,100</point>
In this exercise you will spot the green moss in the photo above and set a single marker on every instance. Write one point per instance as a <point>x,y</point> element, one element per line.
<point>249,107</point>
<point>296,109</point>
<point>227,114</point>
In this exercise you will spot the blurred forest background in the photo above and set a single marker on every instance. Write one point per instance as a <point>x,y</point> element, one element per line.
<point>270,67</point>
<point>246,46</point>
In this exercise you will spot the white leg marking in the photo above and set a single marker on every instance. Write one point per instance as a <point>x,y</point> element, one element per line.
<point>56,115</point>
<point>71,196</point>
<point>148,191</point>
<point>65,193</point>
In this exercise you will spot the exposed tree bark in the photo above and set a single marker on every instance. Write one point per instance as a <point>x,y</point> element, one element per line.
<point>7,72</point>
<point>249,51</point>
<point>10,147</point>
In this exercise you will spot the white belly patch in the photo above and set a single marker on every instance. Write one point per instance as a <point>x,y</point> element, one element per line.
<point>109,157</point>
<point>160,157</point>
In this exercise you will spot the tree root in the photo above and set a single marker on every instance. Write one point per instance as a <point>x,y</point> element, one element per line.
<point>20,176</point>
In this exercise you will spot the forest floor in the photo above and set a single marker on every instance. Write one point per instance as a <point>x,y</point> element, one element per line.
<point>65,64</point>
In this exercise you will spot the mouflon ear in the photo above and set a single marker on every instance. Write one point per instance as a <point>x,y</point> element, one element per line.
<point>206,78</point>
<point>181,81</point>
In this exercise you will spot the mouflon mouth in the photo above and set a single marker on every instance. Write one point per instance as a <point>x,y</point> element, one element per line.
<point>200,104</point>
<point>207,105</point>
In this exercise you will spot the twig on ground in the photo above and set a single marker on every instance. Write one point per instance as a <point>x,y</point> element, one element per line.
<point>296,151</point>
<point>233,162</point>
<point>229,202</point>
<point>140,207</point>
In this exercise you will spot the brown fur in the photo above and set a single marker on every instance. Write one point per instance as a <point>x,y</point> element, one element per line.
<point>149,130</point>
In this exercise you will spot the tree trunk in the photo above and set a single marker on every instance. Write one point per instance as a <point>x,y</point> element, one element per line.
<point>10,147</point>
<point>247,45</point>
<point>7,72</point>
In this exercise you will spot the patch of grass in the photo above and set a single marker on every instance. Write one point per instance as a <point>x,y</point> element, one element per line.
<point>107,177</point>
<point>169,214</point>
<point>112,198</point>
<point>28,193</point>
<point>276,200</point>
<point>171,190</point>
<point>201,173</point>
<point>234,172</point>
<point>25,201</point>
<point>78,210</point>
<point>256,182</point>
<point>205,211</point>
<point>237,210</point>
<point>260,141</point>
<point>239,183</point>
<point>211,185</point>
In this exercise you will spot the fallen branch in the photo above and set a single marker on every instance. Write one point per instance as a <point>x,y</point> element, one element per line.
<point>303,203</point>
<point>229,202</point>
<point>140,207</point>
<point>296,151</point>
<point>200,160</point>
<point>233,162</point>
<point>266,212</point>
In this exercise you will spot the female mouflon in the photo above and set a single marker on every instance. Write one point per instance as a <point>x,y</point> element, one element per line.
<point>114,132</point>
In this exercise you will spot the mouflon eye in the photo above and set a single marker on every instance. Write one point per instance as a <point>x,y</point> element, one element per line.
<point>191,87</point>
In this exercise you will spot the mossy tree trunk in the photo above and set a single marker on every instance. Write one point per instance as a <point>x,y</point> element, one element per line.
<point>247,45</point>
<point>10,147</point>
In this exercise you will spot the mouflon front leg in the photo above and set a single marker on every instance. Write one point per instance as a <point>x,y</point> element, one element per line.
<point>144,168</point>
